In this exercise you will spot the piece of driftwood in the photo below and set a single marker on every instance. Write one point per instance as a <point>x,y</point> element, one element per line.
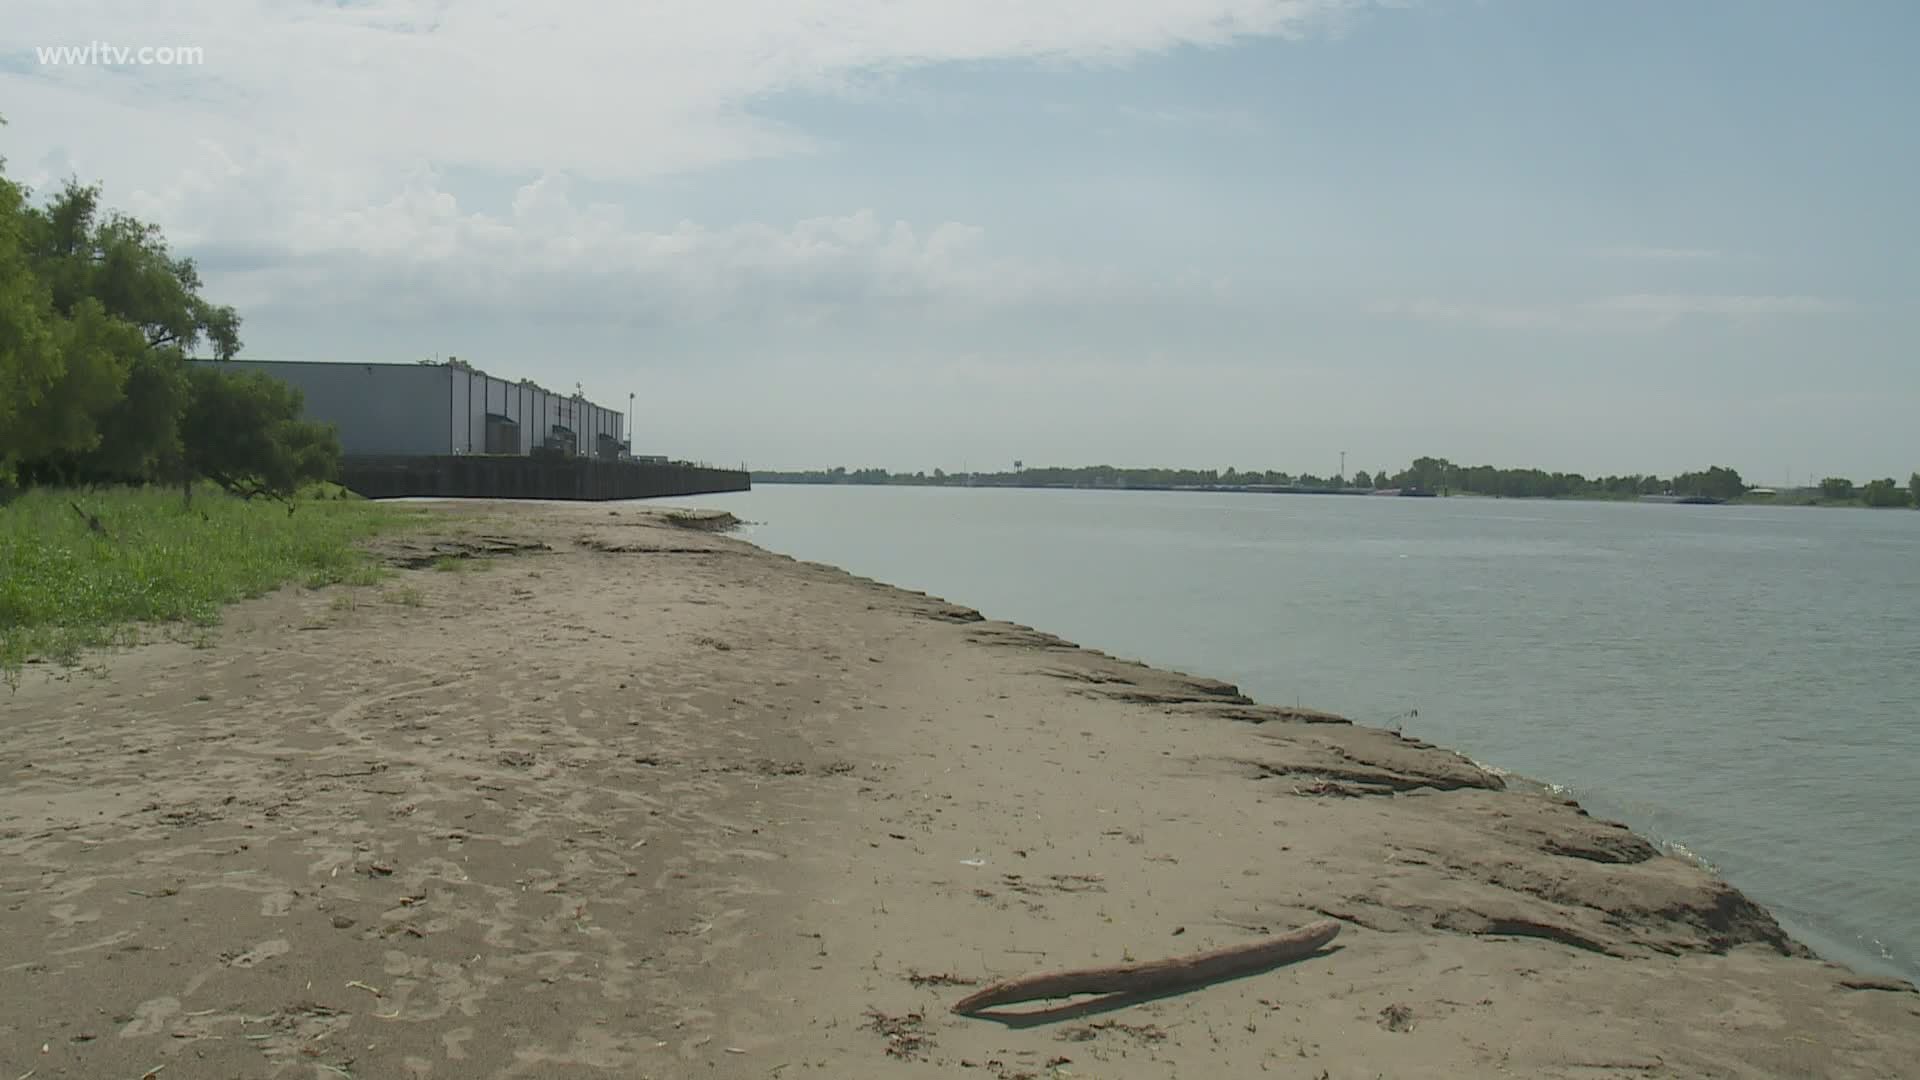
<point>1158,976</point>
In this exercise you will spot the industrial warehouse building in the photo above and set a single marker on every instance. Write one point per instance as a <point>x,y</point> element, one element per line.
<point>431,410</point>
<point>448,431</point>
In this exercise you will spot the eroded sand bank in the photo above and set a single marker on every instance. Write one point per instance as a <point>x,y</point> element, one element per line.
<point>639,800</point>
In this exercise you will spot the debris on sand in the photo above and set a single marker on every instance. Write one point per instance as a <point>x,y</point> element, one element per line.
<point>703,520</point>
<point>906,1035</point>
<point>940,979</point>
<point>1141,1033</point>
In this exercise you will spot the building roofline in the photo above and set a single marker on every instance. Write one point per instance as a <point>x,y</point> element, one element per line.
<point>470,369</point>
<point>319,363</point>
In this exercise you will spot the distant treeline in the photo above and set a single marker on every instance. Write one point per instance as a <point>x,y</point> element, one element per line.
<point>97,319</point>
<point>1427,474</point>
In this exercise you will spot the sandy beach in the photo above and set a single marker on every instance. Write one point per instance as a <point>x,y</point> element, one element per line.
<point>627,798</point>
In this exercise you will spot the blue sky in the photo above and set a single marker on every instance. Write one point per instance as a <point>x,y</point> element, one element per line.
<point>1597,236</point>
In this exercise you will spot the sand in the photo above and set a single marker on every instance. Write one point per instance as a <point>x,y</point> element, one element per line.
<point>631,799</point>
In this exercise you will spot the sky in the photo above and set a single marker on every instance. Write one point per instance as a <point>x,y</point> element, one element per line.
<point>1631,236</point>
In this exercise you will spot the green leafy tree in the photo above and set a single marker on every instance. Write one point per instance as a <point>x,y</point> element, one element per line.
<point>243,431</point>
<point>1717,482</point>
<point>91,347</point>
<point>140,438</point>
<point>1885,493</point>
<point>1836,487</point>
<point>1913,488</point>
<point>125,265</point>
<point>1362,479</point>
<point>30,355</point>
<point>108,264</point>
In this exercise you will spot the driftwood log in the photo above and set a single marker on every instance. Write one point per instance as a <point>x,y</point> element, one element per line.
<point>1158,976</point>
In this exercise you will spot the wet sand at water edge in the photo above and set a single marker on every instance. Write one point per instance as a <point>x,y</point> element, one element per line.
<point>627,798</point>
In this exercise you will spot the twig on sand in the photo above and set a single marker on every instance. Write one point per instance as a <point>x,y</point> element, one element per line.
<point>1158,977</point>
<point>358,985</point>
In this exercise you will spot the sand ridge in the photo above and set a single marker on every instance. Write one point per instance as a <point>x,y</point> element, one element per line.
<point>637,799</point>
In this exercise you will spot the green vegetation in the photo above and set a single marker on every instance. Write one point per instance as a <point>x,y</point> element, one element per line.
<point>97,319</point>
<point>1437,475</point>
<point>1427,473</point>
<point>87,569</point>
<point>1884,493</point>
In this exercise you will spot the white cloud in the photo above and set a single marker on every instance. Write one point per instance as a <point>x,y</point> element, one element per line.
<point>1636,312</point>
<point>315,137</point>
<point>600,88</point>
<point>551,256</point>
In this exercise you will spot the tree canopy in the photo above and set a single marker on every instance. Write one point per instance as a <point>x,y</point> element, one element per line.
<point>1429,473</point>
<point>97,320</point>
<point>1887,492</point>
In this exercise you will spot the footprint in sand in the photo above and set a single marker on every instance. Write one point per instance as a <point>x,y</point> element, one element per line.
<point>150,1017</point>
<point>261,953</point>
<point>455,1041</point>
<point>70,915</point>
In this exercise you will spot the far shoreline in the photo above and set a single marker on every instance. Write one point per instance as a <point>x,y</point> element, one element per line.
<point>1815,503</point>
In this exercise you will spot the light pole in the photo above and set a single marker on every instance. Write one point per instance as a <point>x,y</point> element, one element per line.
<point>629,423</point>
<point>1343,468</point>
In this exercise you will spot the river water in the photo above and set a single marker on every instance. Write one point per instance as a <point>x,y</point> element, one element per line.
<point>1743,683</point>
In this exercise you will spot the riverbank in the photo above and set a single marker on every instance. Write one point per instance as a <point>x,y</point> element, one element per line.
<point>82,569</point>
<point>646,800</point>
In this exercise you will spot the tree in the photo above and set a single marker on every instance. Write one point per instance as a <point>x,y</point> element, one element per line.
<point>1362,479</point>
<point>92,358</point>
<point>96,319</point>
<point>140,434</point>
<point>243,431</point>
<point>1381,481</point>
<point>1913,488</point>
<point>1885,493</point>
<point>125,265</point>
<point>1836,487</point>
<point>30,357</point>
<point>1717,482</point>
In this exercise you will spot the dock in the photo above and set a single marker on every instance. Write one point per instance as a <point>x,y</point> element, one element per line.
<point>489,476</point>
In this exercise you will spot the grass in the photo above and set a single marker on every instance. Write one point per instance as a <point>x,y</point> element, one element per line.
<point>65,587</point>
<point>406,596</point>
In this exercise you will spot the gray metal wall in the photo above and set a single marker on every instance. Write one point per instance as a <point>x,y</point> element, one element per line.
<point>430,409</point>
<point>379,408</point>
<point>536,411</point>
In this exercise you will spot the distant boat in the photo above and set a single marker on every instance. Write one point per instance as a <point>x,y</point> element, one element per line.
<point>1416,493</point>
